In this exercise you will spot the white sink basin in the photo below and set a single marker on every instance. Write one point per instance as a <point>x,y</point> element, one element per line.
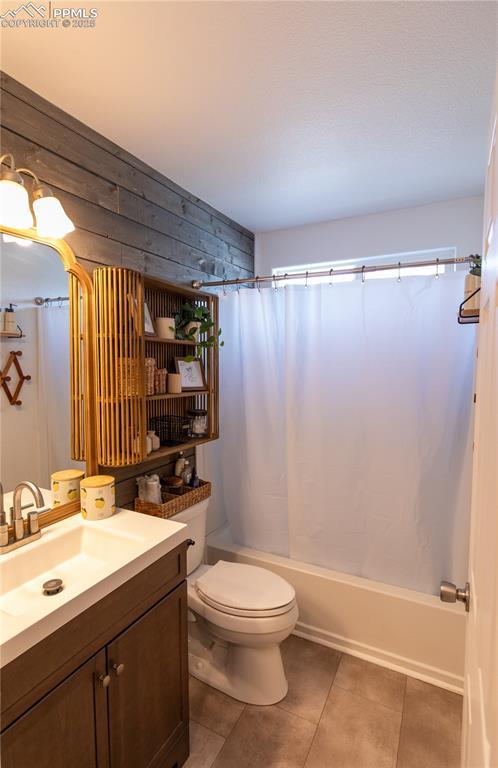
<point>91,558</point>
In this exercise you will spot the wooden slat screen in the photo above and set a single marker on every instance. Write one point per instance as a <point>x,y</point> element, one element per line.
<point>119,366</point>
<point>76,342</point>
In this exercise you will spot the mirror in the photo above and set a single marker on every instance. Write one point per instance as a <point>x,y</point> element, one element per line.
<point>35,438</point>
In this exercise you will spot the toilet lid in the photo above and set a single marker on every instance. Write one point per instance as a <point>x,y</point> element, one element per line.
<point>244,587</point>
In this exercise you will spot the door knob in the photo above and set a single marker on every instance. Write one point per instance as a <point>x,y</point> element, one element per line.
<point>104,680</point>
<point>450,593</point>
<point>118,669</point>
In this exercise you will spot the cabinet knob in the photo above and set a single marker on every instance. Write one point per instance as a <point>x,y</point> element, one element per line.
<point>104,680</point>
<point>118,669</point>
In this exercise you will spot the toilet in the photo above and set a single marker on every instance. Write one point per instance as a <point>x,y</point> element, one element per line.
<point>238,616</point>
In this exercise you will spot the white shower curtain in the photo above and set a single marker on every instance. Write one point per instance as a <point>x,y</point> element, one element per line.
<point>346,426</point>
<point>54,415</point>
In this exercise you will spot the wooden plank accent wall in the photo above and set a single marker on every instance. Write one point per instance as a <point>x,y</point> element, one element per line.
<point>125,212</point>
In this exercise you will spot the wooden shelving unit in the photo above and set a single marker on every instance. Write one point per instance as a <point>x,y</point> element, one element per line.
<point>9,335</point>
<point>165,300</point>
<point>167,450</point>
<point>177,342</point>
<point>171,396</point>
<point>125,412</point>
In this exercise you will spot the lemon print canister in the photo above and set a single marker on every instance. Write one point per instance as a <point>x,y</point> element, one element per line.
<point>98,497</point>
<point>66,486</point>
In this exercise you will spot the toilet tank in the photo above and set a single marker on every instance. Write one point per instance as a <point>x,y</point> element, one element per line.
<point>195,520</point>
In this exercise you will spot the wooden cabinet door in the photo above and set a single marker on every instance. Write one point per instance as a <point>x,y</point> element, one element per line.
<point>148,693</point>
<point>66,728</point>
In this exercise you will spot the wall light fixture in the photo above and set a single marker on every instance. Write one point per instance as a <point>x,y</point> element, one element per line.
<point>15,211</point>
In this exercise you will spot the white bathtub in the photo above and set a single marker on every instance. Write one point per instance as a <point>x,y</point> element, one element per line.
<point>397,628</point>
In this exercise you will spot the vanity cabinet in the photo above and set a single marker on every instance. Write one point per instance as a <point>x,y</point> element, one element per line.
<point>109,689</point>
<point>60,730</point>
<point>147,711</point>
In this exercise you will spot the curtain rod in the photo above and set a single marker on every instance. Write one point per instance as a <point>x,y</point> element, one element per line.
<point>40,301</point>
<point>335,272</point>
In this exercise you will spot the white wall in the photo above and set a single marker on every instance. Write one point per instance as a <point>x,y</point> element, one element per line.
<point>455,223</point>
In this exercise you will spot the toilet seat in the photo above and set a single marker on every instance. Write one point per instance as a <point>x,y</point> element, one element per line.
<point>247,625</point>
<point>244,590</point>
<point>252,614</point>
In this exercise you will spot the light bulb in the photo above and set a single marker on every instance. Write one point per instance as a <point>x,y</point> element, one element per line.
<point>18,240</point>
<point>14,205</point>
<point>51,219</point>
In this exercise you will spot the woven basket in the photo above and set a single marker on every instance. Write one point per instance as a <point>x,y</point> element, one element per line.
<point>150,367</point>
<point>127,379</point>
<point>175,503</point>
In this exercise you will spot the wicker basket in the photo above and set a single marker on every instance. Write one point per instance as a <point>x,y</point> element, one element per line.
<point>175,503</point>
<point>150,367</point>
<point>127,380</point>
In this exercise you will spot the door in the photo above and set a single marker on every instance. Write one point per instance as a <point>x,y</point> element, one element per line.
<point>480,720</point>
<point>66,728</point>
<point>148,693</point>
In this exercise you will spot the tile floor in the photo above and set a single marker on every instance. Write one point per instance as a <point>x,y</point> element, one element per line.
<point>340,712</point>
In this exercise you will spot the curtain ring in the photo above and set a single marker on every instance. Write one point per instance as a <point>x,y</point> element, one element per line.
<point>306,283</point>
<point>275,282</point>
<point>437,269</point>
<point>363,274</point>
<point>258,284</point>
<point>238,287</point>
<point>330,277</point>
<point>399,271</point>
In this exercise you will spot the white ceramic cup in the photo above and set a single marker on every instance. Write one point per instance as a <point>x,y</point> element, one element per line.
<point>164,326</point>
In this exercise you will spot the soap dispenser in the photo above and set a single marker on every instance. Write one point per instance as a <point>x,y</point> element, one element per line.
<point>187,472</point>
<point>9,320</point>
<point>180,464</point>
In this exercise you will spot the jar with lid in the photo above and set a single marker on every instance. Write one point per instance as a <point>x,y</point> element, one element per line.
<point>199,422</point>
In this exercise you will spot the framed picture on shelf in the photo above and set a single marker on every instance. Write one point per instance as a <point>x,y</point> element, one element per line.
<point>148,324</point>
<point>192,373</point>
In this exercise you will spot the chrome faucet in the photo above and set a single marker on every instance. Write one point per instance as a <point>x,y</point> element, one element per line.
<point>18,520</point>
<point>33,530</point>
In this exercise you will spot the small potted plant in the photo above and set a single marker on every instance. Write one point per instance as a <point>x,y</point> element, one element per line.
<point>194,323</point>
<point>476,265</point>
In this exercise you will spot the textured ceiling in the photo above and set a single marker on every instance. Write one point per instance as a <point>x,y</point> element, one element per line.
<point>281,113</point>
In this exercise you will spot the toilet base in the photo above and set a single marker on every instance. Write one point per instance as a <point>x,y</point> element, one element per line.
<point>251,675</point>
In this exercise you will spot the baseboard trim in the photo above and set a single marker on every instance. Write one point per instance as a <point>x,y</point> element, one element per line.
<point>409,667</point>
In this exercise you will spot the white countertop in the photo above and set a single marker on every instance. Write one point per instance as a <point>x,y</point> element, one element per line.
<point>93,558</point>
